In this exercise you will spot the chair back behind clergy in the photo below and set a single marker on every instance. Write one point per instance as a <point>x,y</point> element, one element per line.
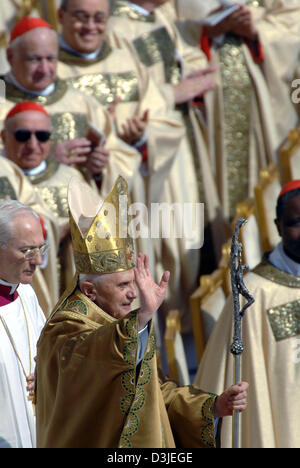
<point>290,156</point>
<point>48,11</point>
<point>175,353</point>
<point>207,302</point>
<point>266,193</point>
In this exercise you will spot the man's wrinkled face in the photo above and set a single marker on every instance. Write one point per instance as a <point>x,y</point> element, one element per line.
<point>84,24</point>
<point>26,234</point>
<point>289,228</point>
<point>115,293</point>
<point>28,154</point>
<point>34,60</point>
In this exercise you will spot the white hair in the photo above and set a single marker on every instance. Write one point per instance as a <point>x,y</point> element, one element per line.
<point>91,278</point>
<point>9,210</point>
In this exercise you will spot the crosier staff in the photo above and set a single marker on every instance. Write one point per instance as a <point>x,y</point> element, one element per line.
<point>238,288</point>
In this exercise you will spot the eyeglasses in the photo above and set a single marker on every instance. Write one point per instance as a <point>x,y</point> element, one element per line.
<point>22,135</point>
<point>30,254</point>
<point>82,17</point>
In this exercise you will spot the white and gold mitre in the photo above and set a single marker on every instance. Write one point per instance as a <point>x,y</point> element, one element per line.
<point>99,229</point>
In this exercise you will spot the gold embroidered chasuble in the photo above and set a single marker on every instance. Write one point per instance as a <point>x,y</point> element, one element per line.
<point>90,393</point>
<point>14,184</point>
<point>270,362</point>
<point>252,111</point>
<point>155,41</point>
<point>70,112</point>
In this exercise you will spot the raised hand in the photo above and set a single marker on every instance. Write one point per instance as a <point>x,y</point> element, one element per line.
<point>134,128</point>
<point>151,294</point>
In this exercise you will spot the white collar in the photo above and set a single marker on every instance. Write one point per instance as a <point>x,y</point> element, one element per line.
<point>45,92</point>
<point>139,9</point>
<point>280,260</point>
<point>36,170</point>
<point>12,286</point>
<point>68,48</point>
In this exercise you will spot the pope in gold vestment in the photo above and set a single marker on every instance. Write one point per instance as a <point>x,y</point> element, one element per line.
<point>156,42</point>
<point>90,391</point>
<point>14,184</point>
<point>123,406</point>
<point>253,111</point>
<point>270,361</point>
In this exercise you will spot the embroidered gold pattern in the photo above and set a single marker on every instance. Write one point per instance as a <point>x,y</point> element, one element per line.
<point>50,170</point>
<point>155,47</point>
<point>6,189</point>
<point>136,395</point>
<point>107,87</point>
<point>237,92</point>
<point>56,199</point>
<point>207,433</point>
<point>15,95</point>
<point>67,126</point>
<point>285,320</point>
<point>122,9</point>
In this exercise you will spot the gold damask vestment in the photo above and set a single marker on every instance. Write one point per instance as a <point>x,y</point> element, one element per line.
<point>270,362</point>
<point>91,395</point>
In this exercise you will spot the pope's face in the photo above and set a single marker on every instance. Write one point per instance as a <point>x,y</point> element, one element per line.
<point>115,293</point>
<point>289,228</point>
<point>28,154</point>
<point>84,24</point>
<point>34,60</point>
<point>26,234</point>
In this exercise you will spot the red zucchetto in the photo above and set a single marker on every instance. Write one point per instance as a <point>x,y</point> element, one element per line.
<point>26,106</point>
<point>289,187</point>
<point>28,24</point>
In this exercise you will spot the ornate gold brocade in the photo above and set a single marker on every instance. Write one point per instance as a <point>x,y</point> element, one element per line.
<point>15,95</point>
<point>51,168</point>
<point>157,47</point>
<point>6,189</point>
<point>237,92</point>
<point>270,272</point>
<point>67,126</point>
<point>69,58</point>
<point>255,3</point>
<point>120,8</point>
<point>56,199</point>
<point>107,87</point>
<point>285,320</point>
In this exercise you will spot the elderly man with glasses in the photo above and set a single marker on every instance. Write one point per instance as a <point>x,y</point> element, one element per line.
<point>26,137</point>
<point>22,247</point>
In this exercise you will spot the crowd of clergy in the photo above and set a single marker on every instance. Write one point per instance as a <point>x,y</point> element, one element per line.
<point>188,101</point>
